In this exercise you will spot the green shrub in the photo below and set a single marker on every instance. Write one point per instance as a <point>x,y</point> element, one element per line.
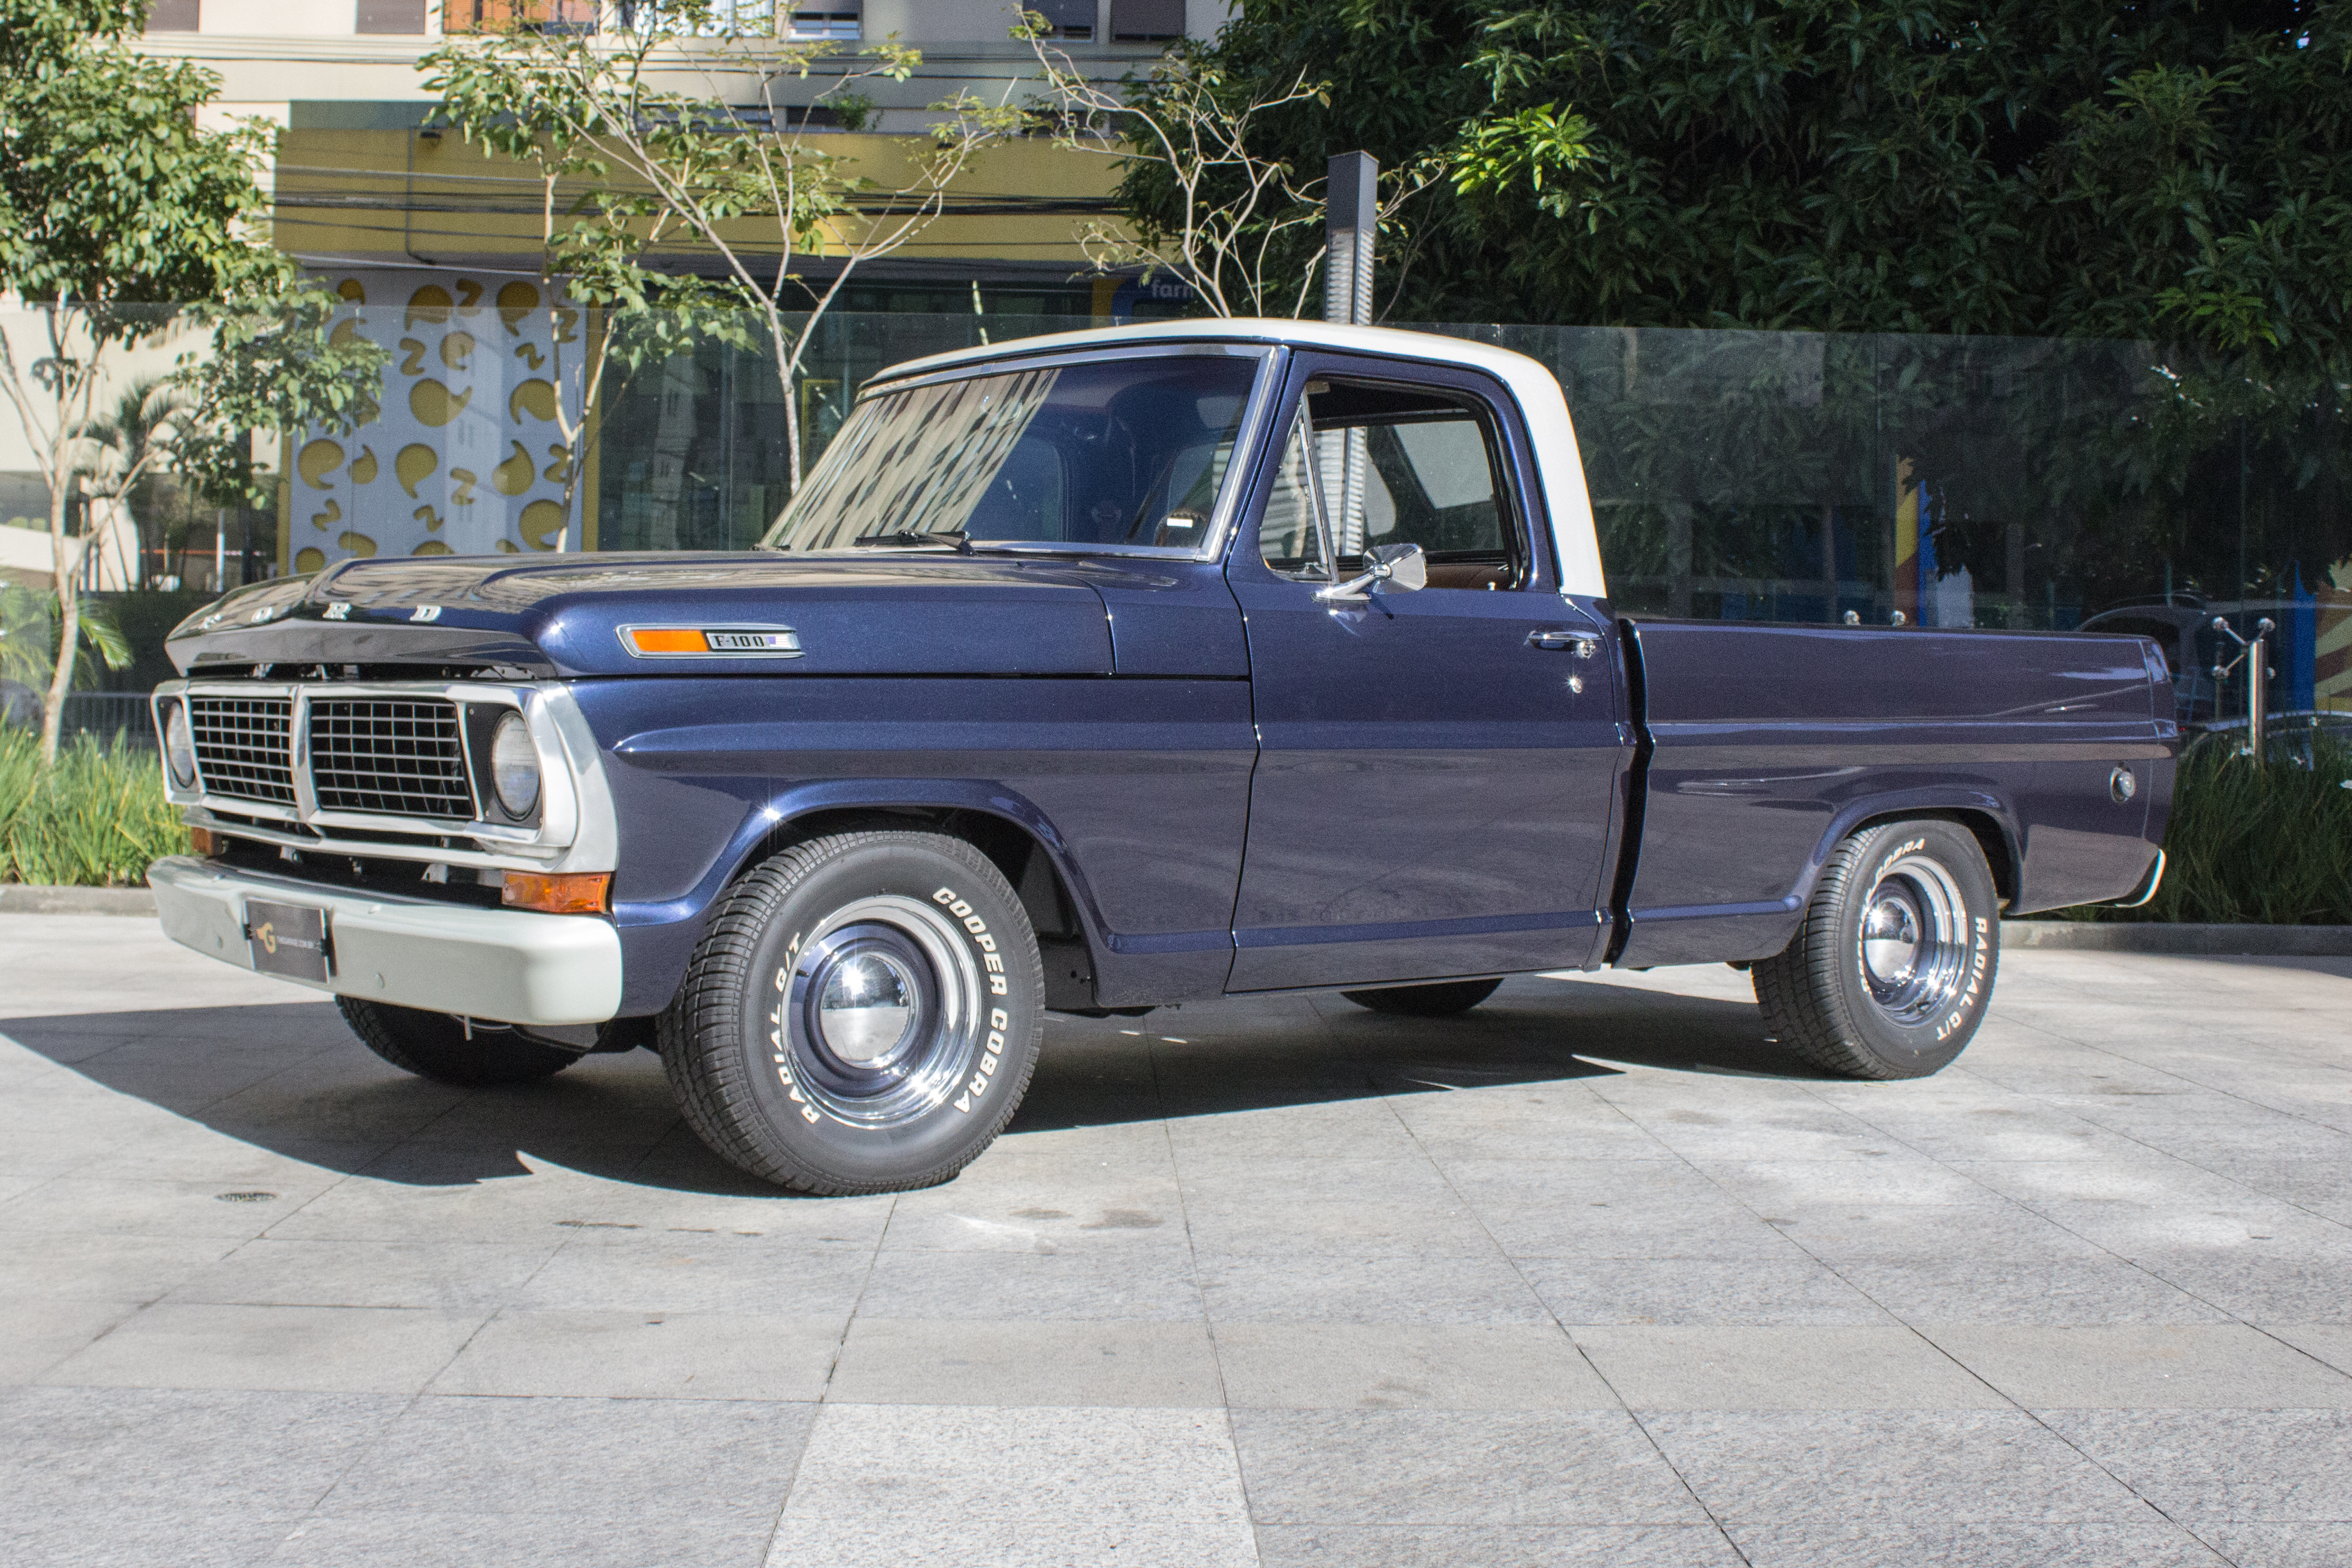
<point>2254,846</point>
<point>98,820</point>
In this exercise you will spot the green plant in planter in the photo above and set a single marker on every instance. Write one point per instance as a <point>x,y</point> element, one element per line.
<point>2255,846</point>
<point>98,819</point>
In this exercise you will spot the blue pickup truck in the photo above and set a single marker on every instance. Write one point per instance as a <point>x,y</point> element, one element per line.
<point>1098,672</point>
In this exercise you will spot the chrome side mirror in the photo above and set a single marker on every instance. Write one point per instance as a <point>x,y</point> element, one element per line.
<point>1402,567</point>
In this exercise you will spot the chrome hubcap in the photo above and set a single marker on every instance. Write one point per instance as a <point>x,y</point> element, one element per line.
<point>1913,939</point>
<point>876,1012</point>
<point>866,1007</point>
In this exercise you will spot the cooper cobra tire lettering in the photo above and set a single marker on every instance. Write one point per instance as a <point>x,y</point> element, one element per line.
<point>780,1075</point>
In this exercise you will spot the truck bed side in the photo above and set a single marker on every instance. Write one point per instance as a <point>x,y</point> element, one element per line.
<point>1768,743</point>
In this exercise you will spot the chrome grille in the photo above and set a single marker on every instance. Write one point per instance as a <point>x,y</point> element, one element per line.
<point>390,756</point>
<point>245,746</point>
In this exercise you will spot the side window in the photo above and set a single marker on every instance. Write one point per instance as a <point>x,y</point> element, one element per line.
<point>1419,466</point>
<point>1290,536</point>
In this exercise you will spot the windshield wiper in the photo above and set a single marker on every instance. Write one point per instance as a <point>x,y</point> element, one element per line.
<point>954,537</point>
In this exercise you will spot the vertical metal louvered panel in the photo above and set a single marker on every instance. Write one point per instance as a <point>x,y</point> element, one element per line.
<point>245,746</point>
<point>390,756</point>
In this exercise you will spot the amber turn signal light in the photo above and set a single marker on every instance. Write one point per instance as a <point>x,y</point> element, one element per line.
<point>668,639</point>
<point>567,893</point>
<point>205,842</point>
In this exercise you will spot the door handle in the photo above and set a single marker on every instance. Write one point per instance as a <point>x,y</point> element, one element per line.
<point>1552,639</point>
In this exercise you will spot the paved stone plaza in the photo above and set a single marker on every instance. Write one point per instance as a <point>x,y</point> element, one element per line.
<point>1592,1276</point>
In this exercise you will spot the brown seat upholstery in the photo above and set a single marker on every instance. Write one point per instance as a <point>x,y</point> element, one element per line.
<point>1469,574</point>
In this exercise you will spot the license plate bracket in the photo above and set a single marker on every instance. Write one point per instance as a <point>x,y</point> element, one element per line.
<point>292,939</point>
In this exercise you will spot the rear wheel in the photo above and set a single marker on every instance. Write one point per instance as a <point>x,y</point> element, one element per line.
<point>436,1045</point>
<point>1890,972</point>
<point>862,1015</point>
<point>1440,1001</point>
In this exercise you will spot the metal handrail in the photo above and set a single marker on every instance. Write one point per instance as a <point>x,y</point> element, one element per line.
<point>2276,728</point>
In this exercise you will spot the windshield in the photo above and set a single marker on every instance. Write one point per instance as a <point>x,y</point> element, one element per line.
<point>1127,451</point>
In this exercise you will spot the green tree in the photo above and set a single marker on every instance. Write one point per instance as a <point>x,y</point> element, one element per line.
<point>2029,167</point>
<point>642,141</point>
<point>113,208</point>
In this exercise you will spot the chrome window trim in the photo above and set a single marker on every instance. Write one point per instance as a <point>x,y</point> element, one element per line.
<point>576,829</point>
<point>1263,391</point>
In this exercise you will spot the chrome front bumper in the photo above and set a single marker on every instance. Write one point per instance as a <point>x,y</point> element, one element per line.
<point>509,966</point>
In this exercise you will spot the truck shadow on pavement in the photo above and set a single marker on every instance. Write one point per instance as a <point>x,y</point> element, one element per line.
<point>290,1077</point>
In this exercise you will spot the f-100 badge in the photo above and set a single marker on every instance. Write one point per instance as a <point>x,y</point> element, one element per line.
<point>711,642</point>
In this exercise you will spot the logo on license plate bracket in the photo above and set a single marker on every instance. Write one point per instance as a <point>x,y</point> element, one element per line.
<point>292,939</point>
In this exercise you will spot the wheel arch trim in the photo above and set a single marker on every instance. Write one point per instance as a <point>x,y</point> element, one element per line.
<point>799,813</point>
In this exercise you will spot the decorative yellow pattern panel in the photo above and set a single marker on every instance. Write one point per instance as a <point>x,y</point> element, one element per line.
<point>466,455</point>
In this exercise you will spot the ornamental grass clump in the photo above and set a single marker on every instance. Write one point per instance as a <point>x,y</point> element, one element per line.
<point>2256,846</point>
<point>98,819</point>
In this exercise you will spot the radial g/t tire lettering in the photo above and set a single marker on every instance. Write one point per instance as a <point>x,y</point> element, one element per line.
<point>1889,975</point>
<point>861,1017</point>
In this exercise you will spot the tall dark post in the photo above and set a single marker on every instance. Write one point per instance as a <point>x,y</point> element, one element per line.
<point>1352,215</point>
<point>1351,212</point>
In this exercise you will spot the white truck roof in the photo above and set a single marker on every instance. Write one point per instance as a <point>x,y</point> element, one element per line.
<point>1559,465</point>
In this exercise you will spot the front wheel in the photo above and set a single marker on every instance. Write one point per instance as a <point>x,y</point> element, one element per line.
<point>862,1015</point>
<point>1889,975</point>
<point>446,1049</point>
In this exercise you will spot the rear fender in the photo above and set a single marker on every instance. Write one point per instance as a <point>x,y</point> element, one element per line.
<point>1986,815</point>
<point>1740,933</point>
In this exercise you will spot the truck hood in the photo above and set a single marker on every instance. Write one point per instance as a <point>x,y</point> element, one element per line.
<point>891,614</point>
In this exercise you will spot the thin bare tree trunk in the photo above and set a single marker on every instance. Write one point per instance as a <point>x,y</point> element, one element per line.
<point>61,573</point>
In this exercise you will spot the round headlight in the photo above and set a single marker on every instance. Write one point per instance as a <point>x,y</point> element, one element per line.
<point>514,766</point>
<point>179,745</point>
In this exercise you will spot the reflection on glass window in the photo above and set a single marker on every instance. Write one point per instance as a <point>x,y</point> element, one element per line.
<point>1416,466</point>
<point>1131,452</point>
<point>1290,533</point>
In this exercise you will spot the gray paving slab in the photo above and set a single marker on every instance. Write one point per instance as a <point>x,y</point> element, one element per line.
<point>1159,1284</point>
<point>44,1331</point>
<point>1388,1366</point>
<point>890,1539</point>
<point>1495,1546</point>
<point>1699,1292</point>
<point>90,1452</point>
<point>2265,1288</point>
<point>140,1537</point>
<point>2157,1544</point>
<point>1752,1368</point>
<point>703,1270</point>
<point>2142,1365</point>
<point>1989,1290</point>
<point>617,1538</point>
<point>948,1467</point>
<point>960,1362</point>
<point>2242,1467</point>
<point>1282,1281</point>
<point>1447,1467</point>
<point>453,1276</point>
<point>554,1459</point>
<point>1480,1287</point>
<point>2283,1545</point>
<point>319,1350</point>
<point>646,1355</point>
<point>1925,1466</point>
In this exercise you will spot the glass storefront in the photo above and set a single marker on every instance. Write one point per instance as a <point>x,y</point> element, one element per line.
<point>1737,476</point>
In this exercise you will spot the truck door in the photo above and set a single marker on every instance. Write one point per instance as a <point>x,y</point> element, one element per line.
<point>1435,768</point>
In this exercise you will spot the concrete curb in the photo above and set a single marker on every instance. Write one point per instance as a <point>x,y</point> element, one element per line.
<point>33,899</point>
<point>2153,936</point>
